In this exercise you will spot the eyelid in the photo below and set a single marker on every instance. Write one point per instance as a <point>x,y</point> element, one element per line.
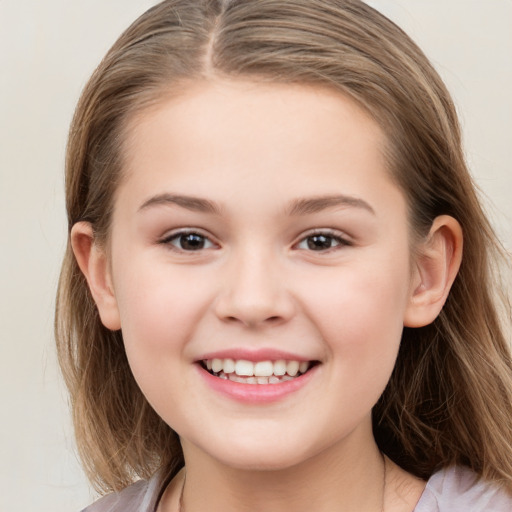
<point>176,233</point>
<point>343,239</point>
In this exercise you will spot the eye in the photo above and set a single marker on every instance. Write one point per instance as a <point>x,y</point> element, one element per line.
<point>188,241</point>
<point>322,242</point>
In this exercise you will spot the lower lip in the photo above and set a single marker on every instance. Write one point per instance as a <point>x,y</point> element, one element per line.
<point>256,393</point>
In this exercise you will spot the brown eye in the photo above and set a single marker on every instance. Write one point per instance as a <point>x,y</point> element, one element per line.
<point>189,241</point>
<point>321,242</point>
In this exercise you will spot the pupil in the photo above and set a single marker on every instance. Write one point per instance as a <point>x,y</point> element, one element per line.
<point>318,242</point>
<point>192,242</point>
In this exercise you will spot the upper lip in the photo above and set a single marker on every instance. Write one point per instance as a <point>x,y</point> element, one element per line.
<point>263,354</point>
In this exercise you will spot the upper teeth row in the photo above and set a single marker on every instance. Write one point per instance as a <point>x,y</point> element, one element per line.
<point>259,369</point>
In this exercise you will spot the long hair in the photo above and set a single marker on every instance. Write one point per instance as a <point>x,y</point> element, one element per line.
<point>449,398</point>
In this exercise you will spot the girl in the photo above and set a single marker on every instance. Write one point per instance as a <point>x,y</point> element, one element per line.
<point>264,304</point>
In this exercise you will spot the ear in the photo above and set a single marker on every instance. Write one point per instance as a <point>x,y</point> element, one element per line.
<point>436,266</point>
<point>93,263</point>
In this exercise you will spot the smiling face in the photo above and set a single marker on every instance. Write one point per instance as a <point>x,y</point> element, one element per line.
<point>258,224</point>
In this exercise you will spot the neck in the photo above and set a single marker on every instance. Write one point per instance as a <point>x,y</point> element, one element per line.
<point>351,481</point>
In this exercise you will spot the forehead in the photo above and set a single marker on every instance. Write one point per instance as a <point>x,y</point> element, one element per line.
<point>249,135</point>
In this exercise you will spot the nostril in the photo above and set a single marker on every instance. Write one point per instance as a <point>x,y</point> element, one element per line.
<point>250,321</point>
<point>253,308</point>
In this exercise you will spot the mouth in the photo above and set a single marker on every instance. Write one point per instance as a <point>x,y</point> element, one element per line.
<point>258,372</point>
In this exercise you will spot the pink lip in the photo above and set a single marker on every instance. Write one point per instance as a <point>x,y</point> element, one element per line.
<point>253,355</point>
<point>256,393</point>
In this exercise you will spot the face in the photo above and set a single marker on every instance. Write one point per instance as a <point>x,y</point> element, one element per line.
<point>258,233</point>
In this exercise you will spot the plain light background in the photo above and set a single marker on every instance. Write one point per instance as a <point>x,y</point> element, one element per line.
<point>47,51</point>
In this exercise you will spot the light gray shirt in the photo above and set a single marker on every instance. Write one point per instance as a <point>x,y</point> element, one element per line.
<point>449,490</point>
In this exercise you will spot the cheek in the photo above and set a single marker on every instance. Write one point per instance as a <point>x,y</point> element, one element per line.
<point>159,308</point>
<point>360,311</point>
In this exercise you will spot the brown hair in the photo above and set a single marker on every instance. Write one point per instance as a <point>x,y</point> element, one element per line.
<point>449,398</point>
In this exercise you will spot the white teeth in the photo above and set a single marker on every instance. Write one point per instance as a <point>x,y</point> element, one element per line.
<point>217,365</point>
<point>235,378</point>
<point>229,365</point>
<point>263,371</point>
<point>280,367</point>
<point>245,368</point>
<point>273,379</point>
<point>292,368</point>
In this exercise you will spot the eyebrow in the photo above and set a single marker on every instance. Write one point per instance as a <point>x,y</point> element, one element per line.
<point>317,204</point>
<point>301,206</point>
<point>195,204</point>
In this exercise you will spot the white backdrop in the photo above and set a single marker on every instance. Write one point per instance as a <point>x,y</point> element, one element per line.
<point>47,51</point>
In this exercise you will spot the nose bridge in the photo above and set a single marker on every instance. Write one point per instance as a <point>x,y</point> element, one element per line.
<point>254,289</point>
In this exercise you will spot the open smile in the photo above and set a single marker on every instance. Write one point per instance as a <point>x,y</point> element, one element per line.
<point>257,372</point>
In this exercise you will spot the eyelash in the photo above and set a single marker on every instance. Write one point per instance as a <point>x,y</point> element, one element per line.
<point>168,240</point>
<point>327,235</point>
<point>324,235</point>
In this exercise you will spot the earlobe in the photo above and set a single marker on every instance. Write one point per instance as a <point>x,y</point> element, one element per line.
<point>436,267</point>
<point>93,263</point>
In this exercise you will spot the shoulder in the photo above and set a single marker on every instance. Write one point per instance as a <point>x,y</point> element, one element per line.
<point>458,489</point>
<point>141,496</point>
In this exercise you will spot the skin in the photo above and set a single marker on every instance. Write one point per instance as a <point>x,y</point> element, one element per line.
<point>255,151</point>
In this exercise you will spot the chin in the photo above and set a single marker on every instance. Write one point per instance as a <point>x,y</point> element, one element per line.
<point>257,457</point>
<point>258,463</point>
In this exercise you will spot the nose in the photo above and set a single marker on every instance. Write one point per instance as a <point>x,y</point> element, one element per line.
<point>254,291</point>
